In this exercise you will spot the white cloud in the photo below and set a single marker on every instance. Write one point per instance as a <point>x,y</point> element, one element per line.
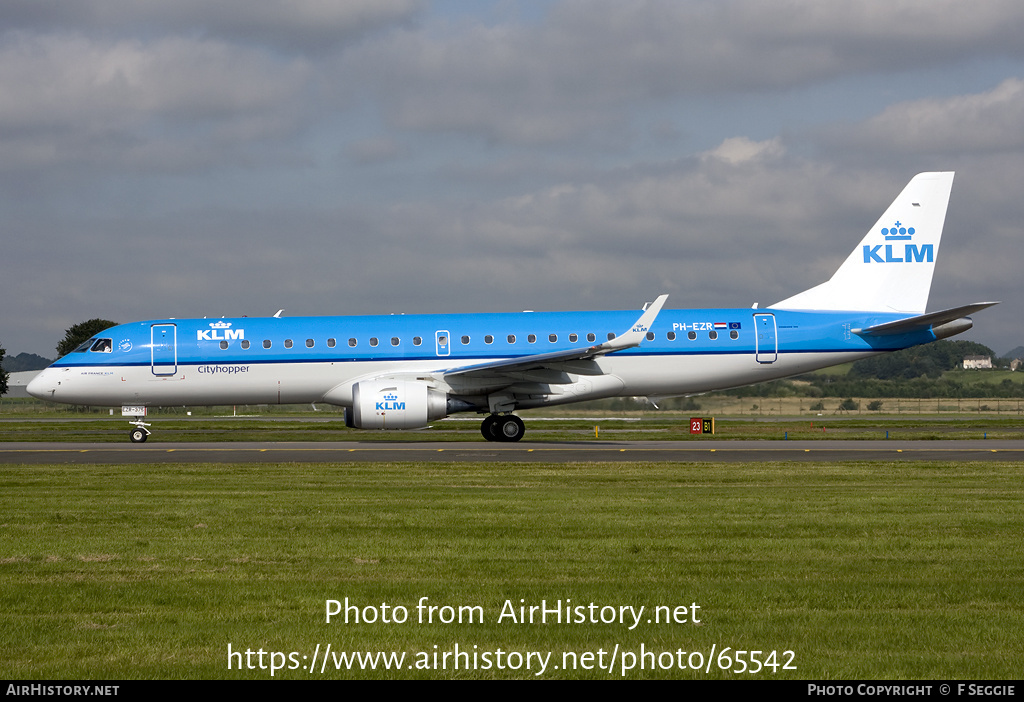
<point>590,63</point>
<point>299,25</point>
<point>68,97</point>
<point>988,121</point>
<point>737,150</point>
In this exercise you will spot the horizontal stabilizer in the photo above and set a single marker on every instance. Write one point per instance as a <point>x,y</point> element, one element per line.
<point>923,322</point>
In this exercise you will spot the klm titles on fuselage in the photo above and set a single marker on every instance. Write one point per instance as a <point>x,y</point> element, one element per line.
<point>911,252</point>
<point>219,331</point>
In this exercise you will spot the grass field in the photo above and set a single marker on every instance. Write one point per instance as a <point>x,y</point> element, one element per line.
<point>862,570</point>
<point>570,426</point>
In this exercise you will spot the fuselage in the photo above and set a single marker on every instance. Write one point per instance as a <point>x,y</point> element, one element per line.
<point>273,360</point>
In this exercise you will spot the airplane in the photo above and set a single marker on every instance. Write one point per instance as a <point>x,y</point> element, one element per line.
<point>406,371</point>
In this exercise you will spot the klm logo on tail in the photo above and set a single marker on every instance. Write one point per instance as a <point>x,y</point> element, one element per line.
<point>911,252</point>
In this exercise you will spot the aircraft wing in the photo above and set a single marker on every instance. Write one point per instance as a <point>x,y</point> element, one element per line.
<point>923,322</point>
<point>630,339</point>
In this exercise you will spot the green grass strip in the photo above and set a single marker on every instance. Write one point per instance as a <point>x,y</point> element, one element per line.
<point>863,570</point>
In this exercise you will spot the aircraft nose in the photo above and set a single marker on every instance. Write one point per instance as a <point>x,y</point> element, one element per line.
<point>42,386</point>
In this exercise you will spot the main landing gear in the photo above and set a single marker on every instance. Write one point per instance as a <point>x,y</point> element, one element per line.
<point>502,427</point>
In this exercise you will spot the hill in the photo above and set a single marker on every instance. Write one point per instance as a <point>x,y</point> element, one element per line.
<point>25,362</point>
<point>931,360</point>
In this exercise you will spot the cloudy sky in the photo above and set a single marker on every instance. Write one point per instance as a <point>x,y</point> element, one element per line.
<point>189,158</point>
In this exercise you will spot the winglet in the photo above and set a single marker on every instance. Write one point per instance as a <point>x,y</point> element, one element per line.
<point>635,334</point>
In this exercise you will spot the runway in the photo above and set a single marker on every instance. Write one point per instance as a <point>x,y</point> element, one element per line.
<point>547,452</point>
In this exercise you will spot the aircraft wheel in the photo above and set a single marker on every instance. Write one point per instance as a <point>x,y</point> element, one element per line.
<point>138,436</point>
<point>489,428</point>
<point>510,428</point>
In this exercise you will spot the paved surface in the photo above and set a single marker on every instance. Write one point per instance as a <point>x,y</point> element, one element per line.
<point>553,452</point>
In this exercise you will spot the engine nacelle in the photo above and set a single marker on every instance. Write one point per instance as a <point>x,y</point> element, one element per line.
<point>395,404</point>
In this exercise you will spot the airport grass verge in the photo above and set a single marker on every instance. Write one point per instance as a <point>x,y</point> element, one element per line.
<point>870,570</point>
<point>607,426</point>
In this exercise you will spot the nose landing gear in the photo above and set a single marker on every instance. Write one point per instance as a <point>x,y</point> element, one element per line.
<point>140,433</point>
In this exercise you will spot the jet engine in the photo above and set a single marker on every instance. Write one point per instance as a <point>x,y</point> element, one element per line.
<point>395,404</point>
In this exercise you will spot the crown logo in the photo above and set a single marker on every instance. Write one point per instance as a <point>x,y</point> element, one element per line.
<point>897,232</point>
<point>390,397</point>
<point>220,325</point>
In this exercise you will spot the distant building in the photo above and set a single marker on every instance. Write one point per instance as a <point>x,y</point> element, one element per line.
<point>17,383</point>
<point>971,362</point>
<point>1015,364</point>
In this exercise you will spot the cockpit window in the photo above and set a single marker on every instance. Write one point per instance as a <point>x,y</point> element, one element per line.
<point>103,345</point>
<point>84,347</point>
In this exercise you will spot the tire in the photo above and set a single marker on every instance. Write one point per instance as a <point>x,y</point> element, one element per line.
<point>489,428</point>
<point>138,436</point>
<point>510,428</point>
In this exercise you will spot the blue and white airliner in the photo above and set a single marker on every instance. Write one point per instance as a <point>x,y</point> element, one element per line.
<point>405,371</point>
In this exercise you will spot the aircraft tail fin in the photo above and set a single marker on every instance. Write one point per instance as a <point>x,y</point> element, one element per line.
<point>891,269</point>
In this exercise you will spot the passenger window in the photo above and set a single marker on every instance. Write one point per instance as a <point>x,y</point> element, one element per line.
<point>309,343</point>
<point>532,338</point>
<point>712,335</point>
<point>395,341</point>
<point>591,337</point>
<point>373,341</point>
<point>691,335</point>
<point>331,343</point>
<point>734,334</point>
<point>552,338</point>
<point>287,343</point>
<point>610,336</point>
<point>465,340</point>
<point>417,340</point>
<point>511,338</point>
<point>671,336</point>
<point>245,343</point>
<point>266,343</point>
<point>650,336</point>
<point>488,339</point>
<point>352,343</point>
<point>573,338</point>
<point>223,344</point>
